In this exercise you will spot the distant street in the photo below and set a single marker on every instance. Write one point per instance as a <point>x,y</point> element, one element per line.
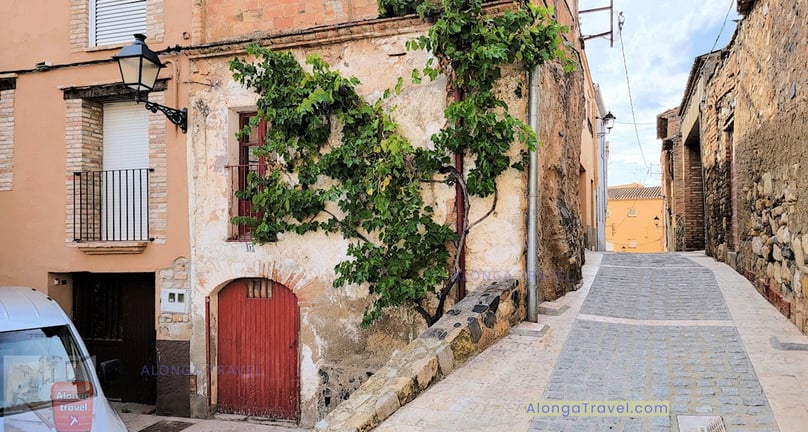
<point>677,329</point>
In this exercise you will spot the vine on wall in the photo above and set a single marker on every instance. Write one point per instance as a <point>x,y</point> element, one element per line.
<point>368,188</point>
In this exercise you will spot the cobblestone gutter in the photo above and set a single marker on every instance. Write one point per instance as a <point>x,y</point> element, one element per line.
<point>471,326</point>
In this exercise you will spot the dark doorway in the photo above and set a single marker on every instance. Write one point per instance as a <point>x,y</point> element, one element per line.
<point>114,313</point>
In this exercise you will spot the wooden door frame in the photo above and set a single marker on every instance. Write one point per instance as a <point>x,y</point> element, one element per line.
<point>212,319</point>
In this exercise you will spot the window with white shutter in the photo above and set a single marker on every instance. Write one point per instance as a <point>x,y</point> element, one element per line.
<point>124,182</point>
<point>115,21</point>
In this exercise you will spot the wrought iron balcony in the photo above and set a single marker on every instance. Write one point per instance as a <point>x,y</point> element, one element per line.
<point>111,206</point>
<point>239,175</point>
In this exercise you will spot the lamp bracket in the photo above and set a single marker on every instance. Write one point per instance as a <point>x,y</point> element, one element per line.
<point>178,117</point>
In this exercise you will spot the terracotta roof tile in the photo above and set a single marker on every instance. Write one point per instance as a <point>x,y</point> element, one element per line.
<point>634,193</point>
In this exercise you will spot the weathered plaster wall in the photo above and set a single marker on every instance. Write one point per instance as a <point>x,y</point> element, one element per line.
<point>221,20</point>
<point>761,89</point>
<point>472,325</point>
<point>335,354</point>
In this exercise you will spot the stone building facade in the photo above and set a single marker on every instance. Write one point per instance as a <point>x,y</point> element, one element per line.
<point>335,355</point>
<point>190,255</point>
<point>749,101</point>
<point>673,167</point>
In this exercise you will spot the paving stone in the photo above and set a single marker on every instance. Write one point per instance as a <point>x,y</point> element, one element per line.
<point>701,370</point>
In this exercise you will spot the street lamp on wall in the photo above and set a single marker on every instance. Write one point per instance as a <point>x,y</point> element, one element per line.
<point>656,221</point>
<point>139,68</point>
<point>608,123</point>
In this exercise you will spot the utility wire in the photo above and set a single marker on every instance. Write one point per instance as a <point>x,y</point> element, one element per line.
<point>729,9</point>
<point>620,21</point>
<point>639,124</point>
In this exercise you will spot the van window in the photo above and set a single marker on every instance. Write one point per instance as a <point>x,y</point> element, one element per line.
<point>32,361</point>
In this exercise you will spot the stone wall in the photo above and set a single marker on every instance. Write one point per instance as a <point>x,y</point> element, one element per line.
<point>561,235</point>
<point>336,355</point>
<point>753,139</point>
<point>673,178</point>
<point>469,327</point>
<point>717,149</point>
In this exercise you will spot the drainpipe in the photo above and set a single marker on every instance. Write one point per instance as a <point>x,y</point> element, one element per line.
<point>207,352</point>
<point>460,209</point>
<point>534,93</point>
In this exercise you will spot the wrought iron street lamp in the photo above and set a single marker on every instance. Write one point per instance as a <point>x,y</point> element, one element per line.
<point>608,121</point>
<point>139,69</point>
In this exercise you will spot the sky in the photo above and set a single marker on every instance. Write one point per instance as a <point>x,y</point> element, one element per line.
<point>661,38</point>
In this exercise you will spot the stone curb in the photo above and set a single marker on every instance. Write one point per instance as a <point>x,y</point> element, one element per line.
<point>469,327</point>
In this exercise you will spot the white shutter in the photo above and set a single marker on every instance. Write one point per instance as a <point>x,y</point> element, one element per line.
<point>116,21</point>
<point>126,147</point>
<point>126,136</point>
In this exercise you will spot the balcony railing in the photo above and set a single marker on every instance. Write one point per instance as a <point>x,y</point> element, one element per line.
<point>242,207</point>
<point>111,205</point>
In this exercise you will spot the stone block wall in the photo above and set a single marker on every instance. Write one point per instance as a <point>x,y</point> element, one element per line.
<point>469,327</point>
<point>753,141</point>
<point>717,150</point>
<point>673,177</point>
<point>561,235</point>
<point>334,353</point>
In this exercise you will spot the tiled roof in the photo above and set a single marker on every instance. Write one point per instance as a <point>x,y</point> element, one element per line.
<point>632,192</point>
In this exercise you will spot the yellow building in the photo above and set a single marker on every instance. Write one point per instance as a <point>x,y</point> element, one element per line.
<point>634,219</point>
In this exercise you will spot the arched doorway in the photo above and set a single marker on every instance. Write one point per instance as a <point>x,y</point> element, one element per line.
<point>257,368</point>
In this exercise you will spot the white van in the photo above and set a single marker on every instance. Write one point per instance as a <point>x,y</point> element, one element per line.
<point>48,379</point>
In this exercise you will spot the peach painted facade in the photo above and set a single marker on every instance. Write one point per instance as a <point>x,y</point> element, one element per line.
<point>634,221</point>
<point>56,92</point>
<point>56,89</point>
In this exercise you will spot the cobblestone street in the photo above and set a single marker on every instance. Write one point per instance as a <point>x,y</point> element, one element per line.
<point>656,328</point>
<point>679,328</point>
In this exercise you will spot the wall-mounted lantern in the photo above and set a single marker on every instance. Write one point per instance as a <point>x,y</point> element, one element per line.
<point>656,221</point>
<point>608,123</point>
<point>139,69</point>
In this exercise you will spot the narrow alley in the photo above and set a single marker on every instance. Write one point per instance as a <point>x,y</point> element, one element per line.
<point>676,328</point>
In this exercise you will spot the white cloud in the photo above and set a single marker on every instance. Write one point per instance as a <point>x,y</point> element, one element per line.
<point>661,39</point>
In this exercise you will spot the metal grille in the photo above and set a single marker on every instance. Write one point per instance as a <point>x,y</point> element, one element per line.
<point>240,175</point>
<point>259,288</point>
<point>111,205</point>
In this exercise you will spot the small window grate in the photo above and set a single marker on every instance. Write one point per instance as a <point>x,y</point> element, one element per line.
<point>259,289</point>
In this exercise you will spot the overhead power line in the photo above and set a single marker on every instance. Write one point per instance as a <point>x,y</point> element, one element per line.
<point>620,20</point>
<point>721,31</point>
<point>638,124</point>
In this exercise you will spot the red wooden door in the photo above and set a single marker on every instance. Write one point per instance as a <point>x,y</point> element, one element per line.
<point>257,343</point>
